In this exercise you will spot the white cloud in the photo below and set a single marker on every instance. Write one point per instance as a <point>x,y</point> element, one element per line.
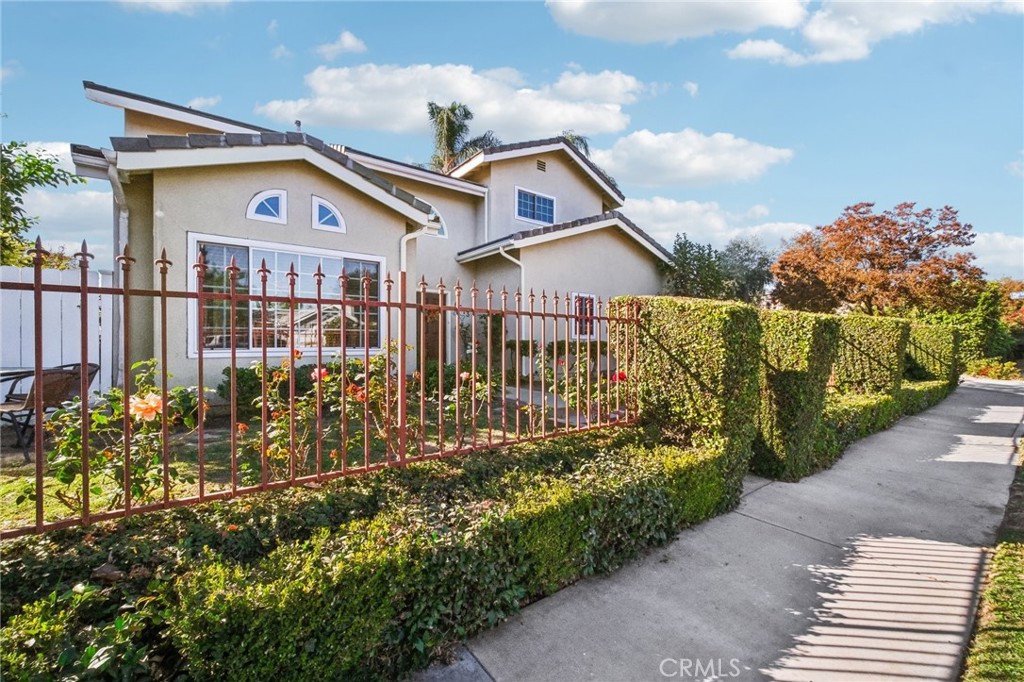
<point>999,254</point>
<point>1016,167</point>
<point>66,218</point>
<point>667,22</point>
<point>203,102</point>
<point>272,28</point>
<point>686,157</point>
<point>691,88</point>
<point>186,7</point>
<point>707,222</point>
<point>394,99</point>
<point>9,70</point>
<point>346,42</point>
<point>844,31</point>
<point>280,52</point>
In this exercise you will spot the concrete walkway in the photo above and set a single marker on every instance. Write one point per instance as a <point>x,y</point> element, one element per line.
<point>867,571</point>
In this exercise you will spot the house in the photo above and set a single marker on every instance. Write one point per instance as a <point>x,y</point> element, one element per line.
<point>533,216</point>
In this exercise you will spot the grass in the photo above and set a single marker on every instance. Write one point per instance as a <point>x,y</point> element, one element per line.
<point>997,648</point>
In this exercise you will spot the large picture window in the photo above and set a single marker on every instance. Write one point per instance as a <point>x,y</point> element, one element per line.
<point>535,207</point>
<point>283,323</point>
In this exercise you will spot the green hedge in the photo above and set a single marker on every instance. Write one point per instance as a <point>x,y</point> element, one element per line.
<point>871,354</point>
<point>376,598</point>
<point>798,350</point>
<point>569,507</point>
<point>698,374</point>
<point>850,417</point>
<point>932,353</point>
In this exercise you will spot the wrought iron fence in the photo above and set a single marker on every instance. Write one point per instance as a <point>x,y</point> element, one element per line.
<point>325,375</point>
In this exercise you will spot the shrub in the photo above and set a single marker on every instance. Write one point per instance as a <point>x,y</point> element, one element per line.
<point>849,417</point>
<point>917,396</point>
<point>993,368</point>
<point>798,350</point>
<point>377,598</point>
<point>697,377</point>
<point>871,354</point>
<point>933,353</point>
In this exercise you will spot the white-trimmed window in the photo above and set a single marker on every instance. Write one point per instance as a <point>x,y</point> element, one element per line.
<point>326,216</point>
<point>270,206</point>
<point>442,227</point>
<point>283,324</point>
<point>534,207</point>
<point>584,308</point>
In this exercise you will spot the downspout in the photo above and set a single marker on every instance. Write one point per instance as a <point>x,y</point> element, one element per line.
<point>522,284</point>
<point>120,242</point>
<point>522,270</point>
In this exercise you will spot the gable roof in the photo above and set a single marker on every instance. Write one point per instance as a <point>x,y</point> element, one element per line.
<point>526,238</point>
<point>383,164</point>
<point>123,99</point>
<point>531,147</point>
<point>206,149</point>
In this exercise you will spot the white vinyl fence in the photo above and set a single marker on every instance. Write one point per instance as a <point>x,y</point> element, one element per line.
<point>62,323</point>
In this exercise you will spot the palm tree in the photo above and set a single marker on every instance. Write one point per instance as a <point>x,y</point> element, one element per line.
<point>581,142</point>
<point>451,130</point>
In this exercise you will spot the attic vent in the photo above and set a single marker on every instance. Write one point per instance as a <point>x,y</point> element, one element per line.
<point>542,165</point>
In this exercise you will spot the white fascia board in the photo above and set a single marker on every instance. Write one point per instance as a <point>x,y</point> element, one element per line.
<point>491,250</point>
<point>87,166</point>
<point>482,158</point>
<point>122,102</point>
<point>583,229</point>
<point>415,174</point>
<point>220,156</point>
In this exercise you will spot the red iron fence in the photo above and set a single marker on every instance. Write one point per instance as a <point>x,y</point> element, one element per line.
<point>319,374</point>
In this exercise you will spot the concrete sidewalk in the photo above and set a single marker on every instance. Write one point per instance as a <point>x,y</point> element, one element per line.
<point>867,571</point>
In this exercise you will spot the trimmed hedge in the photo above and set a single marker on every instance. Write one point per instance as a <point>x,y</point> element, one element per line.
<point>698,374</point>
<point>932,353</point>
<point>797,352</point>
<point>850,417</point>
<point>871,354</point>
<point>376,598</point>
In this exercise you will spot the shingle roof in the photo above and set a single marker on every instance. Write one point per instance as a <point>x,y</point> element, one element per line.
<point>516,146</point>
<point>152,143</point>
<point>170,105</point>
<point>579,222</point>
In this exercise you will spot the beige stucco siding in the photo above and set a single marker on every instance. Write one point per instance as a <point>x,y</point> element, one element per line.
<point>434,257</point>
<point>574,192</point>
<point>603,262</point>
<point>138,124</point>
<point>212,201</point>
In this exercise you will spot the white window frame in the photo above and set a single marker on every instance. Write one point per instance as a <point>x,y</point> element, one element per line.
<point>515,207</point>
<point>192,321</point>
<point>281,219</point>
<point>576,295</point>
<point>442,232</point>
<point>314,216</point>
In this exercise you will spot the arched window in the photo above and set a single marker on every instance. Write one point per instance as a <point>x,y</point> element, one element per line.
<point>270,206</point>
<point>326,216</point>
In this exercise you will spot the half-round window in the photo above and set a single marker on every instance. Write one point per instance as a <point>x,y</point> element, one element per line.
<point>326,216</point>
<point>270,206</point>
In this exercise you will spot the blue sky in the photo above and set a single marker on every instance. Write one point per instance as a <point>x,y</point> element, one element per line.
<point>717,119</point>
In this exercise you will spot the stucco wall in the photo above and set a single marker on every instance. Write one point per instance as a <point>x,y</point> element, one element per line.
<point>213,201</point>
<point>138,124</point>
<point>574,193</point>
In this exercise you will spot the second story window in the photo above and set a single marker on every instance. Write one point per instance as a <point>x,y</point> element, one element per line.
<point>535,207</point>
<point>269,206</point>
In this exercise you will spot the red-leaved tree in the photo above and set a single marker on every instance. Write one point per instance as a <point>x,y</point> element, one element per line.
<point>880,262</point>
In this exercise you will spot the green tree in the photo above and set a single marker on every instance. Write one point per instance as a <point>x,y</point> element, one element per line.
<point>746,266</point>
<point>695,270</point>
<point>21,169</point>
<point>452,144</point>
